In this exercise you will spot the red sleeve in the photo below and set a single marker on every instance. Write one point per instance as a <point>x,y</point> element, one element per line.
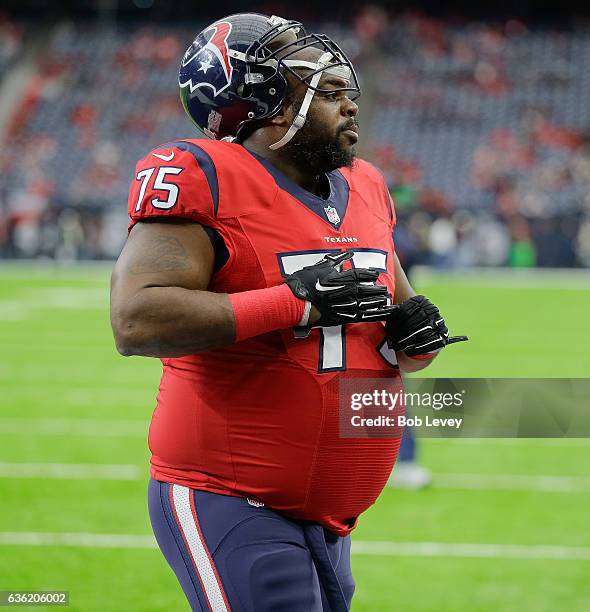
<point>178,179</point>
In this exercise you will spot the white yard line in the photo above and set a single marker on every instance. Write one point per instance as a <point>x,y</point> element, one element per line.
<point>58,297</point>
<point>25,269</point>
<point>482,482</point>
<point>75,427</point>
<point>511,441</point>
<point>90,540</point>
<point>72,471</point>
<point>393,549</point>
<point>99,271</point>
<point>68,298</point>
<point>513,482</point>
<point>481,551</point>
<point>139,428</point>
<point>486,278</point>
<point>14,310</point>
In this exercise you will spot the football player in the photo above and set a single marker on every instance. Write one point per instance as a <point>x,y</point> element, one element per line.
<point>260,269</point>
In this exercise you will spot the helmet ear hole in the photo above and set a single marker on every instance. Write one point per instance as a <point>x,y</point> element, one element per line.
<point>244,90</point>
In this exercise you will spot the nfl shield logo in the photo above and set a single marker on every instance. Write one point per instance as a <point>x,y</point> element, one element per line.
<point>332,215</point>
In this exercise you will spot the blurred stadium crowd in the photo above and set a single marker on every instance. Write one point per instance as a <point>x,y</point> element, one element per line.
<point>481,129</point>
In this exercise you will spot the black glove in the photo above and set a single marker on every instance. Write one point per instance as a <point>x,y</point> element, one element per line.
<point>349,296</point>
<point>417,327</point>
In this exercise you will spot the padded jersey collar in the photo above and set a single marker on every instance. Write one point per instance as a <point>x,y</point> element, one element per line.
<point>338,198</point>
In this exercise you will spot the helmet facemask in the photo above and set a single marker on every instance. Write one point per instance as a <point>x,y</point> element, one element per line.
<point>279,47</point>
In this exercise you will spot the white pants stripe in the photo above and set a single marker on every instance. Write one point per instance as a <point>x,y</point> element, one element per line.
<point>189,525</point>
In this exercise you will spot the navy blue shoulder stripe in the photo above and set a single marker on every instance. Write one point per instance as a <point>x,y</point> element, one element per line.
<point>389,201</point>
<point>205,163</point>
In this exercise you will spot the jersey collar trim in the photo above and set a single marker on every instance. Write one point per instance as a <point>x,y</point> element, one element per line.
<point>338,199</point>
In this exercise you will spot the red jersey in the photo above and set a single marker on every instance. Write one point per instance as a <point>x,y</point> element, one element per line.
<point>259,418</point>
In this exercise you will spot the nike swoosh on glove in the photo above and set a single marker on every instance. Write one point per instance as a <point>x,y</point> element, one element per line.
<point>416,327</point>
<point>341,296</point>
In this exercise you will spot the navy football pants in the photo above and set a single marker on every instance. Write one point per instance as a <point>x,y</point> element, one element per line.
<point>231,555</point>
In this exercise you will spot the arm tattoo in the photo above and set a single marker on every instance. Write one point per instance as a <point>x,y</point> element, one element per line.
<point>166,254</point>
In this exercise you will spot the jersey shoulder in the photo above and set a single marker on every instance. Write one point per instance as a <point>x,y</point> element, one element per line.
<point>365,170</point>
<point>175,179</point>
<point>368,182</point>
<point>197,179</point>
<point>245,185</point>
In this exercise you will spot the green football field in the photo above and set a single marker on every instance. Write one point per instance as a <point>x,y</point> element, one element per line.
<point>503,528</point>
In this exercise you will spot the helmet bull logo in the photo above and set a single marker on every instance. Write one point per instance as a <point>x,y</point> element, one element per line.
<point>212,54</point>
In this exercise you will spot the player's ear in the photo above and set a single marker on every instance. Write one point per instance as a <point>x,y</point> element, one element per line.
<point>285,115</point>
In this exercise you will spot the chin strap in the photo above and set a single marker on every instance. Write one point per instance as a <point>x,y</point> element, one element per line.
<point>299,121</point>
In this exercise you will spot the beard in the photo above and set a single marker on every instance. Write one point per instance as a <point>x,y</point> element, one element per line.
<point>315,152</point>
